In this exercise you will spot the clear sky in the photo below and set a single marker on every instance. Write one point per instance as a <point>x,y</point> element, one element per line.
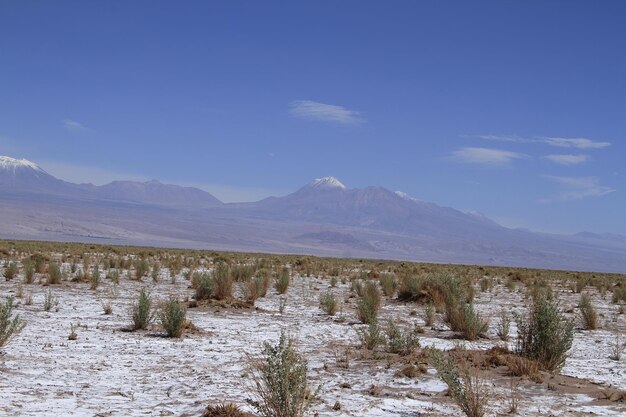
<point>513,109</point>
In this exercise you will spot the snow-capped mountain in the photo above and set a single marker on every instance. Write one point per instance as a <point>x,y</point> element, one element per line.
<point>23,176</point>
<point>324,217</point>
<point>327,183</point>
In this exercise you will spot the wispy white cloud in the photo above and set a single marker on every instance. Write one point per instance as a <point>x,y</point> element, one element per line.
<point>74,126</point>
<point>313,110</point>
<point>567,159</point>
<point>577,188</point>
<point>579,143</point>
<point>503,138</point>
<point>486,156</point>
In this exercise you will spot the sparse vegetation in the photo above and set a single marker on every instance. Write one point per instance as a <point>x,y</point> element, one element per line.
<point>328,303</point>
<point>10,325</point>
<point>141,311</point>
<point>173,317</point>
<point>465,386</point>
<point>280,381</point>
<point>282,281</point>
<point>545,335</point>
<point>588,313</point>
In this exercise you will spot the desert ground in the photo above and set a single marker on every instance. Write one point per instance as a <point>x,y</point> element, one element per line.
<point>73,359</point>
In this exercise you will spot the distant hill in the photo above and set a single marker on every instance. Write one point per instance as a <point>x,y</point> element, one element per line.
<point>323,217</point>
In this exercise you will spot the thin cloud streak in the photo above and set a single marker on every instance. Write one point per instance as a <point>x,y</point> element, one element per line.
<point>577,143</point>
<point>74,126</point>
<point>486,156</point>
<point>567,159</point>
<point>578,188</point>
<point>313,110</point>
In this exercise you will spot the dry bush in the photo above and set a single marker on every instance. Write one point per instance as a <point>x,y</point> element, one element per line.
<point>521,366</point>
<point>388,284</point>
<point>465,386</point>
<point>11,271</point>
<point>223,280</point>
<point>588,313</point>
<point>369,304</point>
<point>225,410</point>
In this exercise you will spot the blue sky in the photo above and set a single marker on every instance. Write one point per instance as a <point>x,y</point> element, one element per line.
<point>513,109</point>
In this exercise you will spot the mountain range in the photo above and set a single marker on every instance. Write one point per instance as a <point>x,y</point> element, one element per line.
<point>323,218</point>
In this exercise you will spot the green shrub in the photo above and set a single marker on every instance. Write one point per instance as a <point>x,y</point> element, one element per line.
<point>280,381</point>
<point>504,326</point>
<point>9,326</point>
<point>29,271</point>
<point>388,284</point>
<point>49,301</point>
<point>588,313</point>
<point>369,304</point>
<point>328,303</point>
<point>371,336</point>
<point>282,281</point>
<point>173,318</point>
<point>411,288</point>
<point>465,387</point>
<point>141,312</point>
<point>429,314</point>
<point>95,278</point>
<point>545,335</point>
<point>54,273</point>
<point>400,341</point>
<point>204,285</point>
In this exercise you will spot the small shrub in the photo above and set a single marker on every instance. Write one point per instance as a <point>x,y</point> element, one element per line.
<point>223,280</point>
<point>369,304</point>
<point>282,281</point>
<point>255,288</point>
<point>156,271</point>
<point>9,326</point>
<point>619,294</point>
<point>486,284</point>
<point>388,284</point>
<point>411,288</point>
<point>545,335</point>
<point>173,318</point>
<point>504,326</point>
<point>466,320</point>
<point>11,271</point>
<point>141,269</point>
<point>328,303</point>
<point>54,274</point>
<point>94,282</point>
<point>114,275</point>
<point>521,366</point>
<point>204,285</point>
<point>29,272</point>
<point>280,381</point>
<point>400,341</point>
<point>465,386</point>
<point>371,336</point>
<point>49,301</point>
<point>141,310</point>
<point>429,315</point>
<point>224,410</point>
<point>588,313</point>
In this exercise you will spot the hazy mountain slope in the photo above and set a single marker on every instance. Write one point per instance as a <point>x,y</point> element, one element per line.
<point>322,218</point>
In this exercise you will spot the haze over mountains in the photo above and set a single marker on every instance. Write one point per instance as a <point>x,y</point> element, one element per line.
<point>323,217</point>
